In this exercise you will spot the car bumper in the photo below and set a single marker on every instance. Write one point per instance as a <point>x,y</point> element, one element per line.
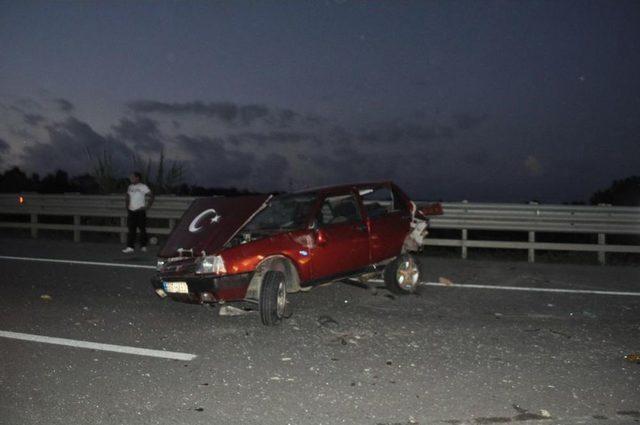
<point>205,289</point>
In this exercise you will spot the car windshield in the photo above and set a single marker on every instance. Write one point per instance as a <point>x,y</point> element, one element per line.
<point>285,212</point>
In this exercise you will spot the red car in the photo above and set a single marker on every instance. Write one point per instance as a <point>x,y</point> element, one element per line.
<point>259,248</point>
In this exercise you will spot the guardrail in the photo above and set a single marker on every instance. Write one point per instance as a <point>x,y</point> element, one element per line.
<point>599,220</point>
<point>530,219</point>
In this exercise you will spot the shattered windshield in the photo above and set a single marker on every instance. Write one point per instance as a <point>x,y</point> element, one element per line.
<point>286,212</point>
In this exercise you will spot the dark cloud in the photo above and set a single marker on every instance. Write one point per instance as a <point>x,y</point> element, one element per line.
<point>4,148</point>
<point>33,119</point>
<point>251,113</point>
<point>468,121</point>
<point>74,146</point>
<point>270,137</point>
<point>476,158</point>
<point>226,112</point>
<point>270,173</point>
<point>64,105</point>
<point>403,133</point>
<point>141,132</point>
<point>212,164</point>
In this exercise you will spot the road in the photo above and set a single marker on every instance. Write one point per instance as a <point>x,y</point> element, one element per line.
<point>446,355</point>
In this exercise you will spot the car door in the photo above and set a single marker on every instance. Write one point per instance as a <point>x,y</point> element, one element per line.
<point>389,222</point>
<point>342,237</point>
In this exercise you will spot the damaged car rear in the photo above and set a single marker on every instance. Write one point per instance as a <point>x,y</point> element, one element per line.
<point>258,249</point>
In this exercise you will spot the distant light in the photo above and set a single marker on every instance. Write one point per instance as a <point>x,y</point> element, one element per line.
<point>20,199</point>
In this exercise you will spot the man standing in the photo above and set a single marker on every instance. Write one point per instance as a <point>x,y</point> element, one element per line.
<point>136,208</point>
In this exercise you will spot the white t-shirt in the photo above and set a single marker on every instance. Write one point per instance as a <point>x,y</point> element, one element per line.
<point>137,193</point>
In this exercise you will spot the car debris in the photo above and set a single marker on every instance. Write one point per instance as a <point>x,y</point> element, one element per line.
<point>633,358</point>
<point>257,249</point>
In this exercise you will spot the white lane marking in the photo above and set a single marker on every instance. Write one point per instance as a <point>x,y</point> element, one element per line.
<point>98,346</point>
<point>458,285</point>
<point>86,263</point>
<point>531,289</point>
<point>523,288</point>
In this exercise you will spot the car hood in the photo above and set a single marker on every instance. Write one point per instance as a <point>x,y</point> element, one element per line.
<point>209,223</point>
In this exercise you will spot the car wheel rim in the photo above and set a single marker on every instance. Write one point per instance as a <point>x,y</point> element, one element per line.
<point>281,300</point>
<point>408,274</point>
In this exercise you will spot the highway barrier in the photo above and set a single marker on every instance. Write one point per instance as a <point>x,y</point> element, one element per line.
<point>35,212</point>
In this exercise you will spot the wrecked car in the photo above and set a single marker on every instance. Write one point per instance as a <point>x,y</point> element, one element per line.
<point>257,249</point>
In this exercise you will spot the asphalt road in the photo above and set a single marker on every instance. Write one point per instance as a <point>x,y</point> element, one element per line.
<point>347,354</point>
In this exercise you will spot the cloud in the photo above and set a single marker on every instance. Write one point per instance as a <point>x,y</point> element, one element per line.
<point>407,133</point>
<point>270,137</point>
<point>141,132</point>
<point>64,105</point>
<point>72,144</point>
<point>226,112</point>
<point>212,164</point>
<point>468,121</point>
<point>33,119</point>
<point>4,148</point>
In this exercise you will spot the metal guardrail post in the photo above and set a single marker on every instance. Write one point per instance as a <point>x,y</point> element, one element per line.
<point>532,250</point>
<point>602,240</point>
<point>34,225</point>
<point>464,244</point>
<point>76,228</point>
<point>123,234</point>
<point>463,239</point>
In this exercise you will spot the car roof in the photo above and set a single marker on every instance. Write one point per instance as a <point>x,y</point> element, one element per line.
<point>343,187</point>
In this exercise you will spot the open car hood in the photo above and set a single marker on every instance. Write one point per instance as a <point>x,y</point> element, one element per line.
<point>209,223</point>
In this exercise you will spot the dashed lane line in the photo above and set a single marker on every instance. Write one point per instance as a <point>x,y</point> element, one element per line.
<point>525,288</point>
<point>86,263</point>
<point>447,285</point>
<point>99,346</point>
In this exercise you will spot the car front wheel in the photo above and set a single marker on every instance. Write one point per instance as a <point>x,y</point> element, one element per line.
<point>273,298</point>
<point>402,275</point>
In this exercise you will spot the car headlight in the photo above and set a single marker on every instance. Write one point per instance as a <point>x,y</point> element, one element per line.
<point>160,263</point>
<point>213,264</point>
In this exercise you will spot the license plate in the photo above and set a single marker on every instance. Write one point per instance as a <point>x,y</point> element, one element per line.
<point>176,287</point>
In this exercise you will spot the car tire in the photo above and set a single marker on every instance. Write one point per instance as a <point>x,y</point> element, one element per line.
<point>402,275</point>
<point>273,298</point>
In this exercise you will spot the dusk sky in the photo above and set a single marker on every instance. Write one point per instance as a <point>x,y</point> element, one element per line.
<point>478,100</point>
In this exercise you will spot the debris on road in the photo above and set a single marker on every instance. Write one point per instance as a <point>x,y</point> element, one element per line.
<point>229,310</point>
<point>633,358</point>
<point>327,321</point>
<point>46,297</point>
<point>445,281</point>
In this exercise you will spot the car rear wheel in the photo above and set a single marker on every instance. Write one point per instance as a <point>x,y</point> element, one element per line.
<point>402,275</point>
<point>273,298</point>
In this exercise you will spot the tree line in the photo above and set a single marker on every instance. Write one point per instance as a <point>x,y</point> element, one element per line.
<point>15,180</point>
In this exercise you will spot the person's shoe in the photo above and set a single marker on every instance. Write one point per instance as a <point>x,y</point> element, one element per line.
<point>128,250</point>
<point>143,249</point>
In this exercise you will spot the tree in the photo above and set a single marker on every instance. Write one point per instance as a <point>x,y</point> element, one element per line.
<point>15,180</point>
<point>625,192</point>
<point>164,180</point>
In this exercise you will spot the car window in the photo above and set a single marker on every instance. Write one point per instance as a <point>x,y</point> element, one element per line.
<point>338,209</point>
<point>286,212</point>
<point>378,202</point>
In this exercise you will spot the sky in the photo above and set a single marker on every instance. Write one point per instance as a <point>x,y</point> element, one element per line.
<point>495,101</point>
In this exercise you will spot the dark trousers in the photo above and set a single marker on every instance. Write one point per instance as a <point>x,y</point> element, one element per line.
<point>137,219</point>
